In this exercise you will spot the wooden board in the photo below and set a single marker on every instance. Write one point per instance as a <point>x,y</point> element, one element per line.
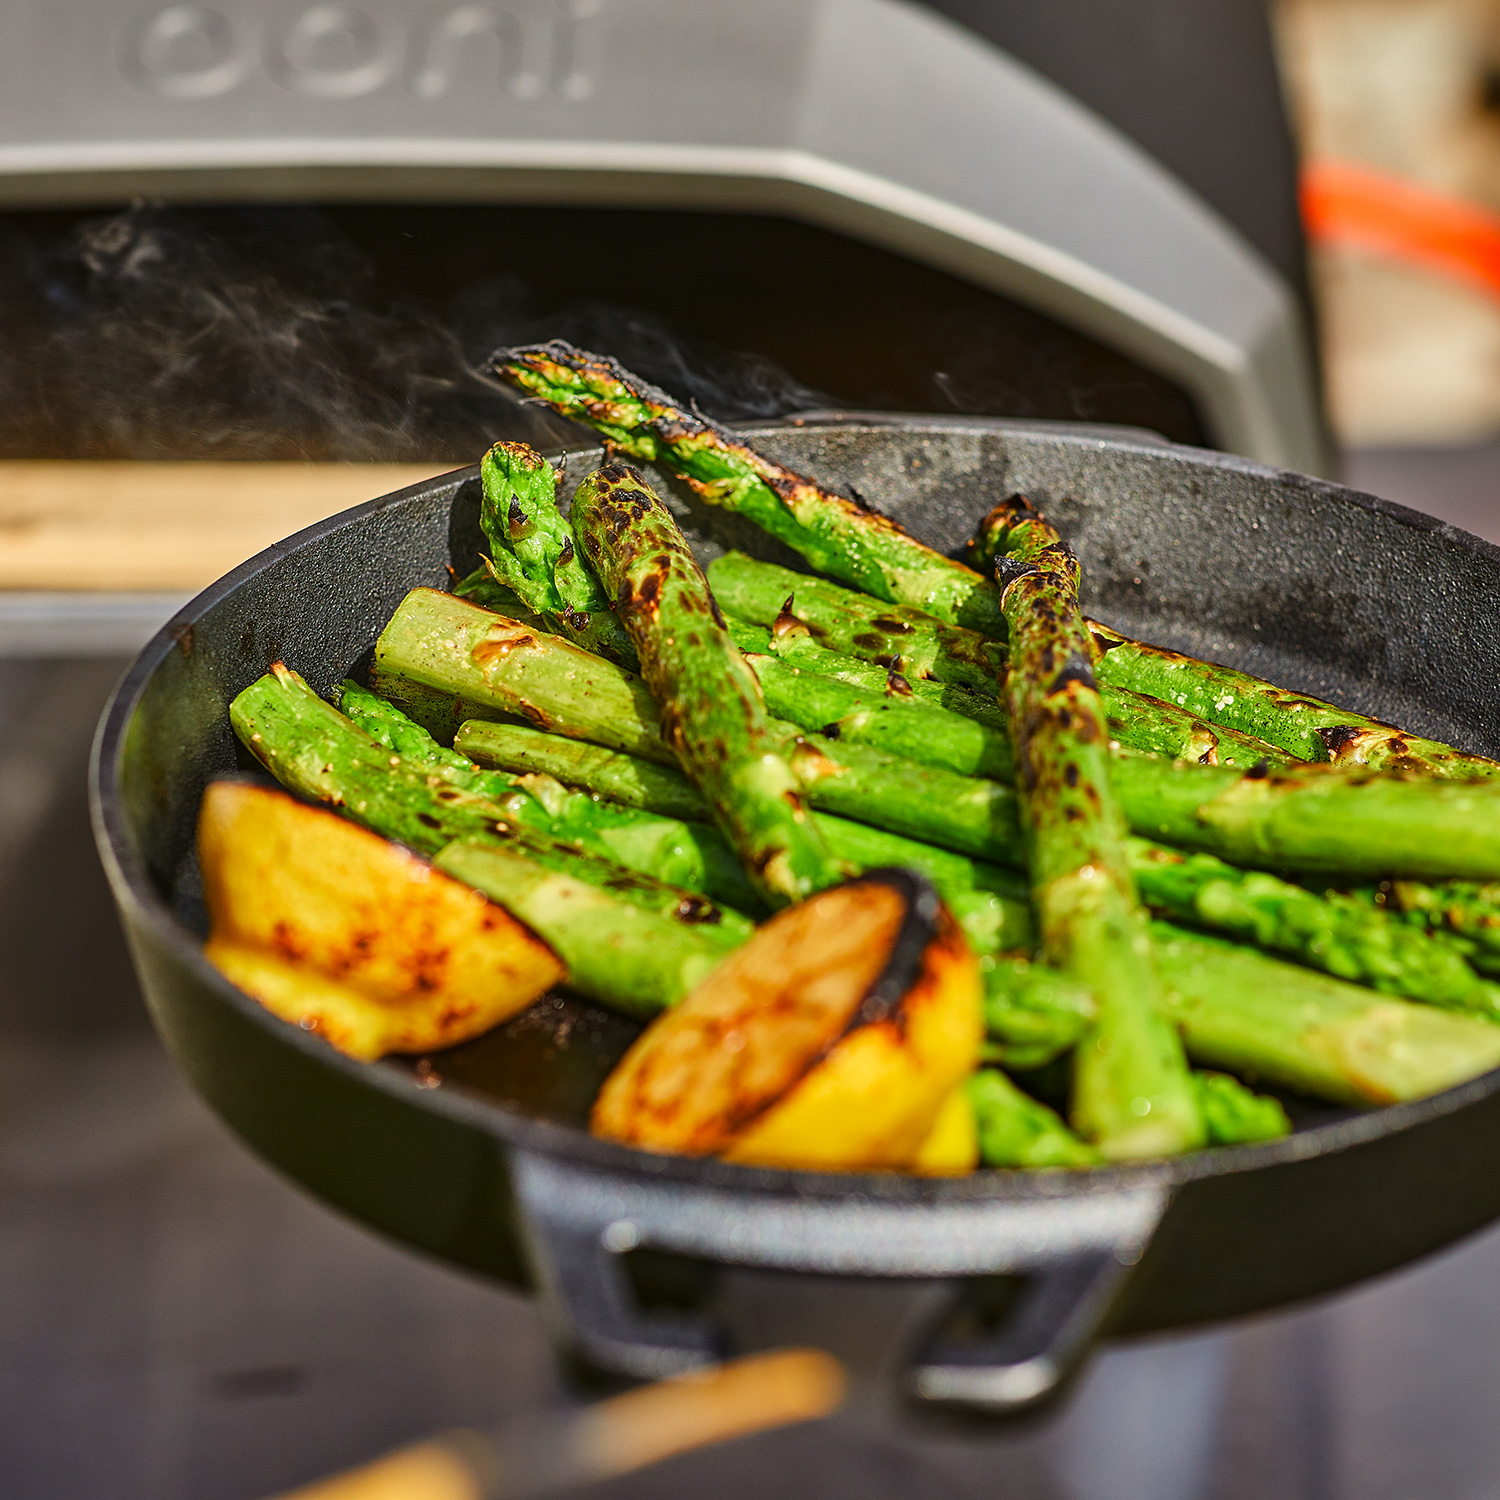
<point>166,527</point>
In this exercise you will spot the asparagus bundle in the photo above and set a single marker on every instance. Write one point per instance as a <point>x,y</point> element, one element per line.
<point>492,668</point>
<point>1354,825</point>
<point>532,552</point>
<point>1132,1094</point>
<point>989,902</point>
<point>711,711</point>
<point>626,945</point>
<point>683,853</point>
<point>898,724</point>
<point>926,651</point>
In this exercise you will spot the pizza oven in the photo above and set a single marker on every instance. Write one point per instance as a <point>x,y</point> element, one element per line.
<point>966,205</point>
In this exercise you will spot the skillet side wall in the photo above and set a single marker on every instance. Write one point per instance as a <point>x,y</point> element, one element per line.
<point>1319,588</point>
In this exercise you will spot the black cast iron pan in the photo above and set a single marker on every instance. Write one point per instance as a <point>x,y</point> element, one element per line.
<point>1312,585</point>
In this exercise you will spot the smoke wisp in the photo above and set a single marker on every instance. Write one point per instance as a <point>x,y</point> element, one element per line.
<point>266,333</point>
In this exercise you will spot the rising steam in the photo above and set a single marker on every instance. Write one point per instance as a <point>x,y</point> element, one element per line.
<point>265,334</point>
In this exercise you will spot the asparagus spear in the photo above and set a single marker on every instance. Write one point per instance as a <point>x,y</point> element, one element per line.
<point>1465,912</point>
<point>1032,1013</point>
<point>1132,1092</point>
<point>990,904</point>
<point>532,552</point>
<point>1339,933</point>
<point>1259,1017</point>
<point>637,962</point>
<point>919,731</point>
<point>1302,726</point>
<point>837,535</point>
<point>711,709</point>
<point>1358,824</point>
<point>1016,1130</point>
<point>690,855</point>
<point>926,651</point>
<point>853,624</point>
<point>314,750</point>
<point>1235,1115</point>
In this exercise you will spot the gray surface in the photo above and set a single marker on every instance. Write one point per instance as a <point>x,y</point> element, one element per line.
<point>873,117</point>
<point>1461,485</point>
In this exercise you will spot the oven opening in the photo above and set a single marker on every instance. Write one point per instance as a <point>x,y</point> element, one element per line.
<point>349,332</point>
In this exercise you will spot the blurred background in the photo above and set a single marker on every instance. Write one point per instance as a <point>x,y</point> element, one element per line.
<point>249,255</point>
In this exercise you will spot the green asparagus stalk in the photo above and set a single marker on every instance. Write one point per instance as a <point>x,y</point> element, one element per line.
<point>1338,933</point>
<point>1465,913</point>
<point>637,962</point>
<point>925,732</point>
<point>483,588</point>
<point>1357,824</point>
<point>928,653</point>
<point>1016,1130</point>
<point>689,855</point>
<point>838,619</point>
<point>1262,1018</point>
<point>990,904</point>
<point>1235,1115</point>
<point>532,552</point>
<point>1302,726</point>
<point>1132,1092</point>
<point>790,642</point>
<point>1032,1013</point>
<point>438,648</point>
<point>316,751</point>
<point>837,535</point>
<point>711,710</point>
<point>622,777</point>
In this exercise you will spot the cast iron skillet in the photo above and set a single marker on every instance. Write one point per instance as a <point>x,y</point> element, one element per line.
<point>1315,586</point>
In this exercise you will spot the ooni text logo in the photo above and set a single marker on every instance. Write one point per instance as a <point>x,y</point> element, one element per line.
<point>525,48</point>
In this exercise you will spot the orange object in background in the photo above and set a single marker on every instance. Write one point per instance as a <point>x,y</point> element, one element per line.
<point>1344,203</point>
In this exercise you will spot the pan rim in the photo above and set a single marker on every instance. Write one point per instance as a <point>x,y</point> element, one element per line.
<point>133,886</point>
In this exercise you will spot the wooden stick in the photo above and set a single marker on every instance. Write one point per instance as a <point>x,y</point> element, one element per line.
<point>628,1432</point>
<point>166,527</point>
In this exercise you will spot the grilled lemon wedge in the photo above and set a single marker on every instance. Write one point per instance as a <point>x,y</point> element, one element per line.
<point>341,932</point>
<point>830,1041</point>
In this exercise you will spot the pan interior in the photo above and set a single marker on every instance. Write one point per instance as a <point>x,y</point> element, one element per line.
<point>1313,586</point>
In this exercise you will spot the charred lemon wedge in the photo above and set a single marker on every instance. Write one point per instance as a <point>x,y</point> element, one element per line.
<point>340,931</point>
<point>830,1041</point>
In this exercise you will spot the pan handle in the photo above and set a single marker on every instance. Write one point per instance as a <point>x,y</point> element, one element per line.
<point>1072,1254</point>
<point>1043,1337</point>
